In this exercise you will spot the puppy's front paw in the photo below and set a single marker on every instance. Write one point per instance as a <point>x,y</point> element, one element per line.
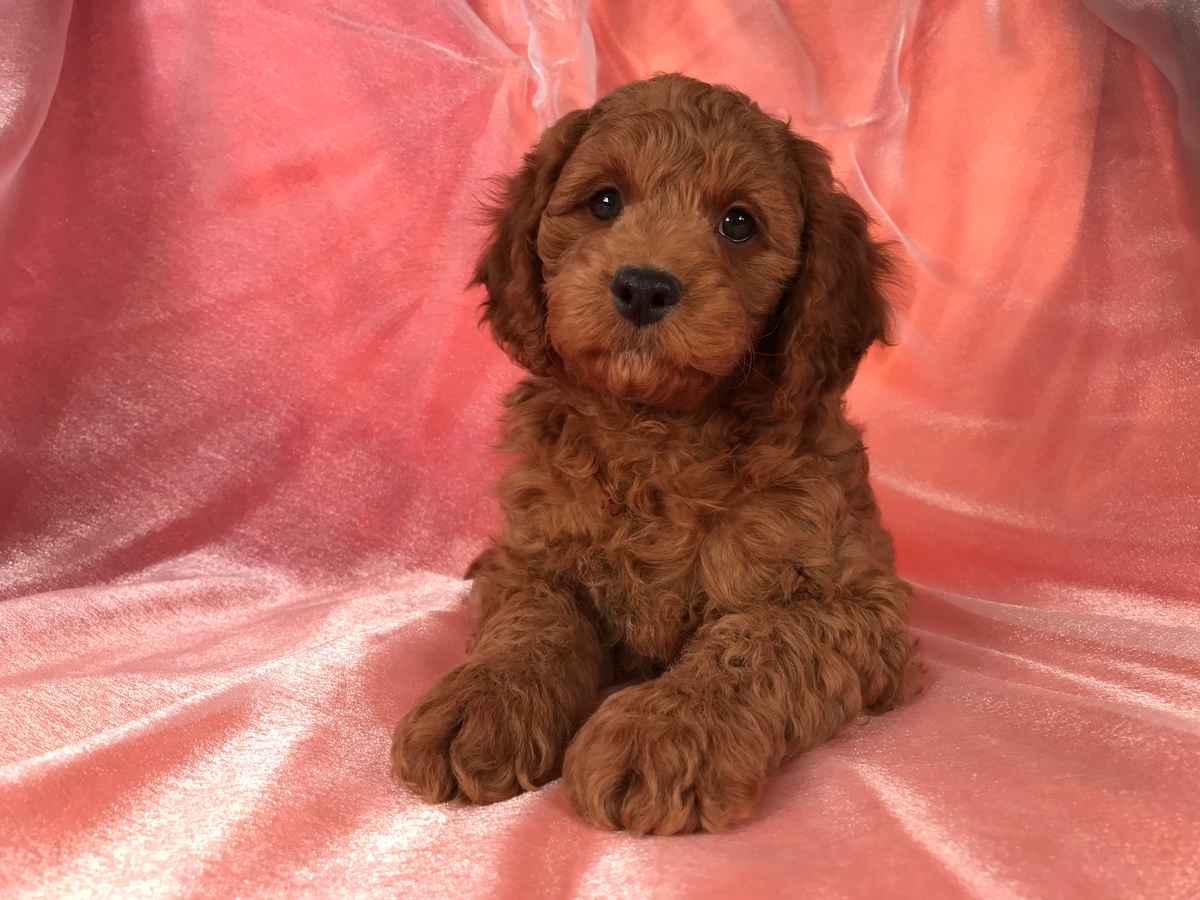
<point>653,763</point>
<point>482,732</point>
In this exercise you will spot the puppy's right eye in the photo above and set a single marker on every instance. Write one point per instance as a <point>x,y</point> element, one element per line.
<point>606,205</point>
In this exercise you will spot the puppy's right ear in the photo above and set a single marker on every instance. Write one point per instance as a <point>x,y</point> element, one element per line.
<point>510,267</point>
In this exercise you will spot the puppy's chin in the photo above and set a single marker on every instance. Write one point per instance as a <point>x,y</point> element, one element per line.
<point>639,375</point>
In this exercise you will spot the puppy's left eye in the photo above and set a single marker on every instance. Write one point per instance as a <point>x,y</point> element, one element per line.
<point>737,225</point>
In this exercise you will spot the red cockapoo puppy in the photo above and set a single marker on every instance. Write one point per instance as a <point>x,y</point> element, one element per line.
<point>691,292</point>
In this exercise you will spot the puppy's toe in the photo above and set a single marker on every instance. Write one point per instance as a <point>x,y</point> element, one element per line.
<point>421,744</point>
<point>481,734</point>
<point>635,768</point>
<point>483,757</point>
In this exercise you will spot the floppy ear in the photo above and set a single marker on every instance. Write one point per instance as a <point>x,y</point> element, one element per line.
<point>510,268</point>
<point>836,308</point>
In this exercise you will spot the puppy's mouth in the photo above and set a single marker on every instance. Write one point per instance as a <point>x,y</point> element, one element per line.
<point>636,373</point>
<point>633,358</point>
<point>667,357</point>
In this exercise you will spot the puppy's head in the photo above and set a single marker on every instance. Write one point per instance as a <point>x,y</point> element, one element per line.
<point>673,241</point>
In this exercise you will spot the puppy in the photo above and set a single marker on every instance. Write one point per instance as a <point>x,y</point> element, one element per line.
<point>691,293</point>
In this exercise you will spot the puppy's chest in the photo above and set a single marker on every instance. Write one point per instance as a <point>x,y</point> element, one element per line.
<point>657,537</point>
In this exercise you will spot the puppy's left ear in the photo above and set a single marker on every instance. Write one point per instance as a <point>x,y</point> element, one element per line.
<point>510,267</point>
<point>836,308</point>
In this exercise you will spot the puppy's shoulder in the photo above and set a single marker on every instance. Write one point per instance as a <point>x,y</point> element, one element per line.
<point>535,411</point>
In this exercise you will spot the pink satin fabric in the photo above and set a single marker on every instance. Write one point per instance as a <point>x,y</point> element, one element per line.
<point>245,414</point>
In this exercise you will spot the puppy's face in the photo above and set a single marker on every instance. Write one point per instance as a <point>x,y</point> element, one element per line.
<point>666,245</point>
<point>673,239</point>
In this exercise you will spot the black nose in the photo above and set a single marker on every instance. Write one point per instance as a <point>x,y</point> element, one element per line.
<point>644,295</point>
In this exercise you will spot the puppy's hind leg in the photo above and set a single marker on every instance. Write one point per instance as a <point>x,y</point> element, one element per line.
<point>479,563</point>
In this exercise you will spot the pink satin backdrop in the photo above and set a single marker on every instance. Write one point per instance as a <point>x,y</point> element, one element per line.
<point>245,413</point>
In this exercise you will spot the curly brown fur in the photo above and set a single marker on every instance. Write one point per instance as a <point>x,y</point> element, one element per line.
<point>689,505</point>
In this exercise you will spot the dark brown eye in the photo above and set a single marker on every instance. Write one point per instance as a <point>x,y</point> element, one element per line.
<point>606,205</point>
<point>737,225</point>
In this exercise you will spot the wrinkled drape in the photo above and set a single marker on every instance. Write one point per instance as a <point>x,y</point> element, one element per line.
<point>246,411</point>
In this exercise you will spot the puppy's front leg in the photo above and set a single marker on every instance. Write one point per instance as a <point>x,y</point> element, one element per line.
<point>499,723</point>
<point>690,750</point>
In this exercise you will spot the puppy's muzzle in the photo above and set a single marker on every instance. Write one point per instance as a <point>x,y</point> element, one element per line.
<point>644,296</point>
